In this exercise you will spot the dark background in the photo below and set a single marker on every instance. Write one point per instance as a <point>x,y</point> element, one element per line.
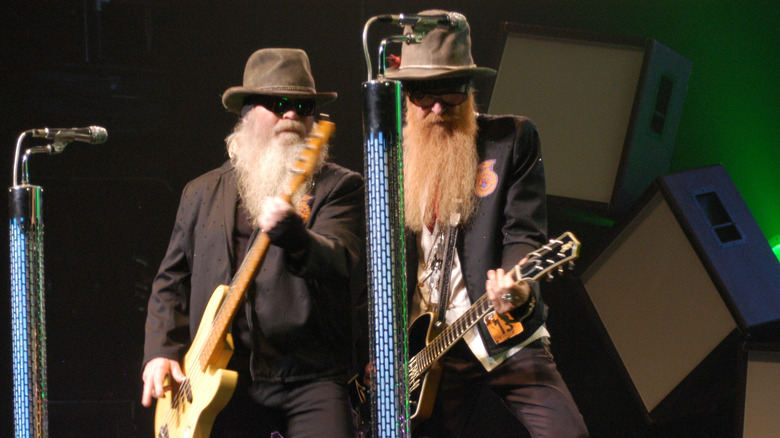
<point>152,73</point>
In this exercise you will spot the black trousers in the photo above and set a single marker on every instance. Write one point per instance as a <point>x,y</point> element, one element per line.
<point>318,408</point>
<point>527,389</point>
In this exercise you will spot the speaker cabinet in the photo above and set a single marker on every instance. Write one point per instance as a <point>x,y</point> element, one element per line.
<point>686,271</point>
<point>607,109</point>
<point>760,407</point>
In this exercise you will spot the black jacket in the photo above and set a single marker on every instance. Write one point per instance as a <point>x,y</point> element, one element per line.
<point>511,216</point>
<point>299,309</point>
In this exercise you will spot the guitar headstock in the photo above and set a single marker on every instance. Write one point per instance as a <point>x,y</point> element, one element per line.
<point>307,160</point>
<point>553,256</point>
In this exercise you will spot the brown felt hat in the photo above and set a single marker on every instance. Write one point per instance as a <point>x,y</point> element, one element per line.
<point>276,72</point>
<point>445,52</point>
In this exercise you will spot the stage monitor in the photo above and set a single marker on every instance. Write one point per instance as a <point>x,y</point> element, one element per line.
<point>684,272</point>
<point>607,109</point>
<point>760,397</point>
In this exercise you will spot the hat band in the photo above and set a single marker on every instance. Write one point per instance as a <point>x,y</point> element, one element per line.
<point>287,88</point>
<point>437,67</point>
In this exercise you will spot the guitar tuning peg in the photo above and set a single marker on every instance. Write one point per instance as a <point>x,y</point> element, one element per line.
<point>571,266</point>
<point>549,276</point>
<point>560,270</point>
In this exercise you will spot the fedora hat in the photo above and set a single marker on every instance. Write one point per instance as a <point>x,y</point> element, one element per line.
<point>276,72</point>
<point>445,52</point>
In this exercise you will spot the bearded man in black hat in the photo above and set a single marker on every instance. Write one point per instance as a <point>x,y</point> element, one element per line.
<point>293,335</point>
<point>480,177</point>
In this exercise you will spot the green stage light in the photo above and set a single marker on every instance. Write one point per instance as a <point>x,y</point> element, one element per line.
<point>775,244</point>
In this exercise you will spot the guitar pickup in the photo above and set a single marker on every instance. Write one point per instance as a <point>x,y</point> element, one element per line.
<point>187,390</point>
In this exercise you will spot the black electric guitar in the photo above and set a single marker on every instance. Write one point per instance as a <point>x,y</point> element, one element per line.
<point>189,412</point>
<point>431,343</point>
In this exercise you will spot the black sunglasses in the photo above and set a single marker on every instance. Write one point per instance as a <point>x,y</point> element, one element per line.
<point>448,92</point>
<point>280,105</point>
<point>427,100</point>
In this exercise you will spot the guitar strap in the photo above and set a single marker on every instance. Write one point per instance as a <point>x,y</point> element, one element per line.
<point>446,273</point>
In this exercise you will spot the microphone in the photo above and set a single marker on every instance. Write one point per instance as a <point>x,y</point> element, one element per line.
<point>91,135</point>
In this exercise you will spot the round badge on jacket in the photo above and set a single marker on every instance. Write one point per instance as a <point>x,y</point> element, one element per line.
<point>487,179</point>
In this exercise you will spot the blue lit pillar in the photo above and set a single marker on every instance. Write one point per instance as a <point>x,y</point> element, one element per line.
<point>28,317</point>
<point>386,258</point>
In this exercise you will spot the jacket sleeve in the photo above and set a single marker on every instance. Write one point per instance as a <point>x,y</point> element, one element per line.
<point>525,212</point>
<point>167,328</point>
<point>328,247</point>
<point>525,216</point>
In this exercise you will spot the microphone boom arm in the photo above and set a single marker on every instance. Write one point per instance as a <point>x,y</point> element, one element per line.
<point>60,137</point>
<point>420,24</point>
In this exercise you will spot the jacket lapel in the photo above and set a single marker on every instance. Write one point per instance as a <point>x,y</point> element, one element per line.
<point>229,196</point>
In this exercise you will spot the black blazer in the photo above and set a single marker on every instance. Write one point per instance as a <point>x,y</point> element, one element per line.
<point>299,310</point>
<point>511,216</point>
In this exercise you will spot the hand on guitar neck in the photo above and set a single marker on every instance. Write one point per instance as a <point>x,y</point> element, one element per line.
<point>273,211</point>
<point>505,292</point>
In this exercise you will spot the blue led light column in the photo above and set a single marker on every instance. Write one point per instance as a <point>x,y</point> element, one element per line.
<point>386,261</point>
<point>28,317</point>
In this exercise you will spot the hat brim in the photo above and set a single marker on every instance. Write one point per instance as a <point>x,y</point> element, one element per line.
<point>437,73</point>
<point>233,98</point>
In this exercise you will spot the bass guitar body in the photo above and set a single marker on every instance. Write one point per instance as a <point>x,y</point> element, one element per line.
<point>189,410</point>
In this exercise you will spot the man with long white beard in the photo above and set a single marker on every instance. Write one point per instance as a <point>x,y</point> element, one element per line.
<point>476,180</point>
<point>293,335</point>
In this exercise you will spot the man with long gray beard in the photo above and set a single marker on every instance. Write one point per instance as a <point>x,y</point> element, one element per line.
<point>477,180</point>
<point>293,336</point>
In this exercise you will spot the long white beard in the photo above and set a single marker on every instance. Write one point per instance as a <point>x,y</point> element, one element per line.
<point>263,162</point>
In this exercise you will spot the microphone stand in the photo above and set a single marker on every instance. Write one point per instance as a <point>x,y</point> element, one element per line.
<point>386,247</point>
<point>28,310</point>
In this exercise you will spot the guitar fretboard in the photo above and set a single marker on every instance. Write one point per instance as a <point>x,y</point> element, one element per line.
<point>433,351</point>
<point>233,300</point>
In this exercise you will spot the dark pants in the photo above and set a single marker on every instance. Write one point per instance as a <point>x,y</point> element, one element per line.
<point>527,385</point>
<point>317,408</point>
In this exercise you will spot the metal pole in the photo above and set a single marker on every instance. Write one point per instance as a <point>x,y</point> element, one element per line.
<point>28,315</point>
<point>386,258</point>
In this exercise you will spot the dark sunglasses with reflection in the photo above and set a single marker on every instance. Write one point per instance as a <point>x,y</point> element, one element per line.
<point>448,95</point>
<point>447,100</point>
<point>280,105</point>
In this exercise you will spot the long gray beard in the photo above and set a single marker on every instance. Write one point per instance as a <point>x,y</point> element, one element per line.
<point>263,166</point>
<point>440,167</point>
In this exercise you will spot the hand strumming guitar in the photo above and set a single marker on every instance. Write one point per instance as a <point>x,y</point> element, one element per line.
<point>154,376</point>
